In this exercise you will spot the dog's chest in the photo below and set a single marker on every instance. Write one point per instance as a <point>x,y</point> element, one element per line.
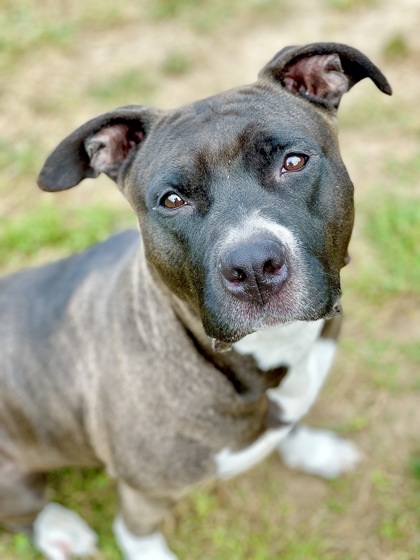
<point>286,345</point>
<point>283,345</point>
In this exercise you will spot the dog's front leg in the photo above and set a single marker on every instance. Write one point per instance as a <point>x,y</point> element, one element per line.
<point>136,528</point>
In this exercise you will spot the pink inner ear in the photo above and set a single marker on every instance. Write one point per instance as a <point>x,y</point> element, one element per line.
<point>109,147</point>
<point>319,76</point>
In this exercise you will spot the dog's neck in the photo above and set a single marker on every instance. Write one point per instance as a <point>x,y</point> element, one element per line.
<point>242,370</point>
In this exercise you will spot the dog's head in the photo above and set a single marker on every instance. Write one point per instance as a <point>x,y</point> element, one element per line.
<point>244,204</point>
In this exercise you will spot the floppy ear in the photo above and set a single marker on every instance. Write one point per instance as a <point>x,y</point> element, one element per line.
<point>322,72</point>
<point>102,145</point>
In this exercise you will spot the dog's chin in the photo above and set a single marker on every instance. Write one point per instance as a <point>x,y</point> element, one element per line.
<point>226,333</point>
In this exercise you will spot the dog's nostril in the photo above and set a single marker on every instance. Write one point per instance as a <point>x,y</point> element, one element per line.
<point>271,267</point>
<point>238,275</point>
<point>234,275</point>
<point>233,269</point>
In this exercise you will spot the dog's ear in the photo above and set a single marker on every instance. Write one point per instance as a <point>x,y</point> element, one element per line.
<point>103,145</point>
<point>322,72</point>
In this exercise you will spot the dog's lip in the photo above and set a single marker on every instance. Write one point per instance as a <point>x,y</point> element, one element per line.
<point>225,344</point>
<point>335,310</point>
<point>219,345</point>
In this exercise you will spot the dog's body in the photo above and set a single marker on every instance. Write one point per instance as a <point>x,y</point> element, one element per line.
<point>112,357</point>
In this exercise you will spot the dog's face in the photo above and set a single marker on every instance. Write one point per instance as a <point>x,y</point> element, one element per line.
<point>244,204</point>
<point>246,209</point>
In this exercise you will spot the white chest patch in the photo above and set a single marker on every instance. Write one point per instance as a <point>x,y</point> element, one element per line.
<point>308,358</point>
<point>297,392</point>
<point>281,345</point>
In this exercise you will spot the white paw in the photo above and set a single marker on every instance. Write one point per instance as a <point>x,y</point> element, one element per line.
<point>149,547</point>
<point>61,534</point>
<point>319,452</point>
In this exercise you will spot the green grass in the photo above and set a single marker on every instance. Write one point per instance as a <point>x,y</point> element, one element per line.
<point>231,524</point>
<point>205,15</point>
<point>177,63</point>
<point>396,47</point>
<point>63,230</point>
<point>380,360</point>
<point>399,517</point>
<point>414,468</point>
<point>404,171</point>
<point>25,29</point>
<point>386,115</point>
<point>29,25</point>
<point>346,5</point>
<point>125,88</point>
<point>17,547</point>
<point>392,227</point>
<point>20,160</point>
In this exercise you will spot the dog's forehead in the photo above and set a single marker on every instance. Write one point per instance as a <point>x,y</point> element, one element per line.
<point>219,120</point>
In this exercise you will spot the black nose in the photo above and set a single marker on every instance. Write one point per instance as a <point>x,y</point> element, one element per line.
<point>254,270</point>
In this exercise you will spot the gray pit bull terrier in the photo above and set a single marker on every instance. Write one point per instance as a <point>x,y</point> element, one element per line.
<point>117,356</point>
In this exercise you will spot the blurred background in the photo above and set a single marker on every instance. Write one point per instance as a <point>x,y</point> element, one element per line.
<point>63,62</point>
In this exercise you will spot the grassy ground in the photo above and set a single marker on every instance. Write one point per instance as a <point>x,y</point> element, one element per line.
<point>62,63</point>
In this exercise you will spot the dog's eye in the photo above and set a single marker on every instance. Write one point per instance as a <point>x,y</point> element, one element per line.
<point>172,200</point>
<point>293,162</point>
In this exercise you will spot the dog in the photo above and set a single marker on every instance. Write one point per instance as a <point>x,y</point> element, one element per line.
<point>189,352</point>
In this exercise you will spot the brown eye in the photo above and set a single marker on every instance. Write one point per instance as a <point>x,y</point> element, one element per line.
<point>293,162</point>
<point>172,200</point>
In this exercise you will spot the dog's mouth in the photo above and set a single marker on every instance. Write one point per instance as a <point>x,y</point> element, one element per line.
<point>220,344</point>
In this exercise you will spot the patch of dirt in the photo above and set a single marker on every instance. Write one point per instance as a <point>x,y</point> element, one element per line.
<point>400,319</point>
